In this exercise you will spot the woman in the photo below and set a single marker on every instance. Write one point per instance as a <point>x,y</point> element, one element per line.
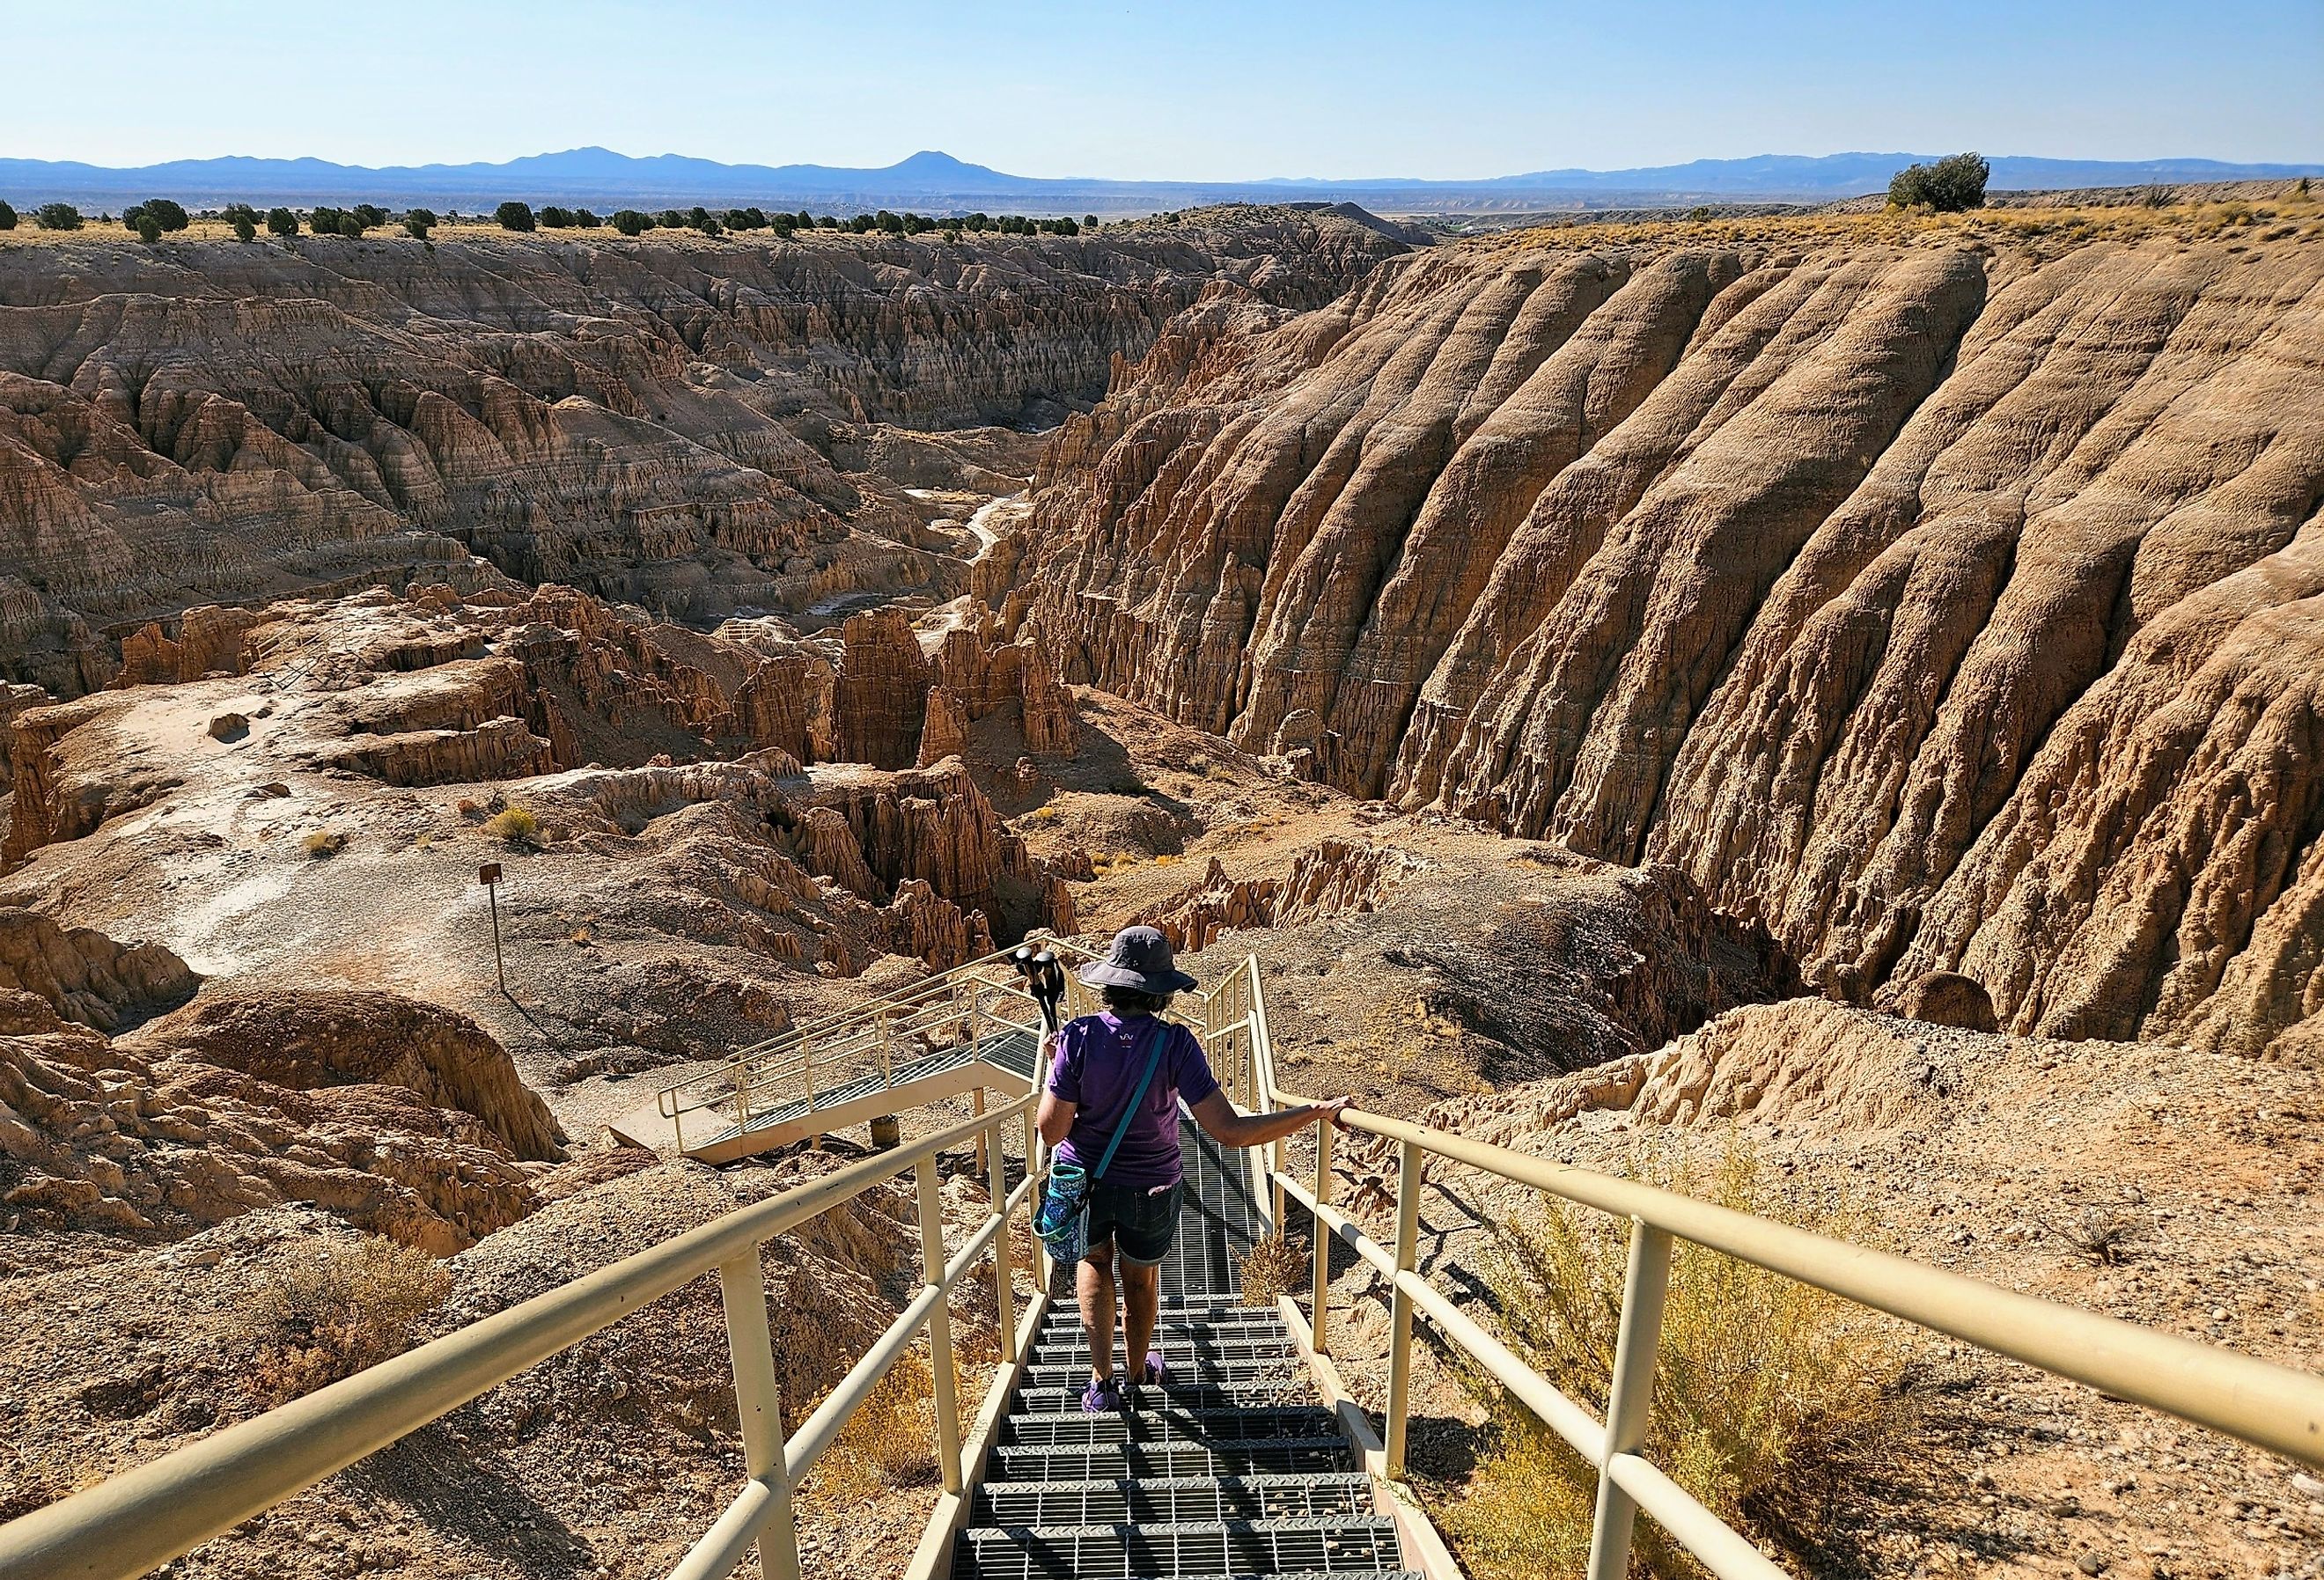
<point>1132,1214</point>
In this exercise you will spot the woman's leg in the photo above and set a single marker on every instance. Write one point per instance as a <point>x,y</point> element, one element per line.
<point>1093,1283</point>
<point>1141,1303</point>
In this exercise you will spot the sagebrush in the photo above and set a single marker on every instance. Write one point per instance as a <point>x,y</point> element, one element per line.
<point>514,825</point>
<point>322,1318</point>
<point>1765,1391</point>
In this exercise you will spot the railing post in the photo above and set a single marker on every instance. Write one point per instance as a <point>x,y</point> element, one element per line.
<point>976,1107</point>
<point>1320,1278</point>
<point>758,1402</point>
<point>807,1054</point>
<point>887,1075</point>
<point>1004,1290</point>
<point>1630,1396</point>
<point>1407,1255</point>
<point>741,1098</point>
<point>1041,1269</point>
<point>940,1358</point>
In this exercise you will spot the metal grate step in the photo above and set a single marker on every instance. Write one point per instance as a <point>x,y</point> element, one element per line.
<point>1253,1351</point>
<point>1249,1393</point>
<point>1218,1222</point>
<point>1224,1455</point>
<point>1177,1498</point>
<point>1220,1547</point>
<point>1167,1425</point>
<point>1193,1327</point>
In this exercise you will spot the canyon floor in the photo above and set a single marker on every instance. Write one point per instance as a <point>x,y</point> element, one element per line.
<point>1841,689</point>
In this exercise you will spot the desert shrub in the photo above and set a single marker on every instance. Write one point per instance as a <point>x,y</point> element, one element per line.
<point>370,215</point>
<point>585,220</point>
<point>514,215</point>
<point>1088,222</point>
<point>551,218</point>
<point>805,221</point>
<point>670,219</point>
<point>890,1442</point>
<point>324,1318</point>
<point>629,222</point>
<point>148,228</point>
<point>1953,183</point>
<point>323,220</point>
<point>7,217</point>
<point>58,217</point>
<point>1271,1268</point>
<point>280,221</point>
<point>514,825</point>
<point>420,221</point>
<point>1765,1392</point>
<point>351,224</point>
<point>324,843</point>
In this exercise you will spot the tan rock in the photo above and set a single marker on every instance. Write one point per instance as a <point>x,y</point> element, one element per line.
<point>304,1041</point>
<point>1945,607</point>
<point>82,975</point>
<point>944,731</point>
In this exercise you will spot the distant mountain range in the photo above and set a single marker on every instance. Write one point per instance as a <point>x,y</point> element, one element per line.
<point>938,182</point>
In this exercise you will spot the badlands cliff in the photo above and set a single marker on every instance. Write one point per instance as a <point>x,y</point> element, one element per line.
<point>699,425</point>
<point>1944,596</point>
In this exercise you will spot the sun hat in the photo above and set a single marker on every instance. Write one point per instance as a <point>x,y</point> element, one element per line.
<point>1139,958</point>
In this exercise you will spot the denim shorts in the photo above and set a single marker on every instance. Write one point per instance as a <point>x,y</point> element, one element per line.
<point>1136,1221</point>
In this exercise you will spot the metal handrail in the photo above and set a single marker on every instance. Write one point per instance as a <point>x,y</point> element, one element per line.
<point>756,1075</point>
<point>2273,1406</point>
<point>129,1524</point>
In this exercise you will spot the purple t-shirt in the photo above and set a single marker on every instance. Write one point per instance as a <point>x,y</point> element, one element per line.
<point>1099,1059</point>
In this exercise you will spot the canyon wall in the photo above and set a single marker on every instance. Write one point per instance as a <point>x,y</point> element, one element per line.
<point>1948,602</point>
<point>674,422</point>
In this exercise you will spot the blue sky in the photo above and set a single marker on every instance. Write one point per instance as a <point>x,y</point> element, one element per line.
<point>1200,90</point>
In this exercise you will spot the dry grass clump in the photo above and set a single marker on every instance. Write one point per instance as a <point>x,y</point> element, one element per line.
<point>1766,1391</point>
<point>515,826</point>
<point>1273,1266</point>
<point>324,843</point>
<point>328,1317</point>
<point>890,1442</point>
<point>2104,1234</point>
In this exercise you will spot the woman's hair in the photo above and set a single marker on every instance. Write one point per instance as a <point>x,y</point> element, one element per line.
<point>1130,1001</point>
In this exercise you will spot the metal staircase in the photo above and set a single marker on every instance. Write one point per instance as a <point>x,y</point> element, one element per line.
<point>971,1030</point>
<point>1234,1469</point>
<point>1254,1462</point>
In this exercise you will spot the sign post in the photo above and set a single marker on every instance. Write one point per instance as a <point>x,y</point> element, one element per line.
<point>489,874</point>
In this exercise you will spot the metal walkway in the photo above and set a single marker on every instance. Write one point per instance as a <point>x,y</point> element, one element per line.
<point>971,1030</point>
<point>1234,1469</point>
<point>943,1074</point>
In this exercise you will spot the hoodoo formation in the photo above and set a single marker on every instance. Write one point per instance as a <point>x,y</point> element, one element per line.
<point>516,745</point>
<point>697,428</point>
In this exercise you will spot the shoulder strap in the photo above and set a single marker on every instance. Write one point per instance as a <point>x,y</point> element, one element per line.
<point>1160,1037</point>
